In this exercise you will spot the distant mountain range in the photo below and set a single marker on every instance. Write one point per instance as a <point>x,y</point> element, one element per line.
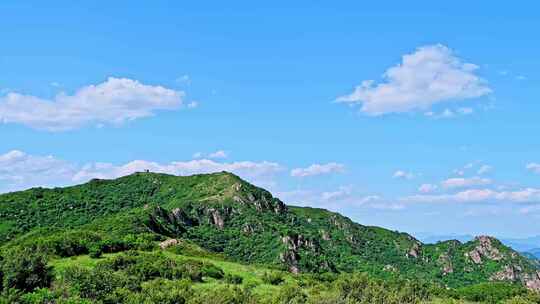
<point>530,245</point>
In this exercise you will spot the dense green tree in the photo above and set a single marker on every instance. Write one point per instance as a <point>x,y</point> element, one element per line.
<point>25,269</point>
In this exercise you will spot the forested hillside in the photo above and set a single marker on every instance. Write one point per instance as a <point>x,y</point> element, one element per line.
<point>155,238</point>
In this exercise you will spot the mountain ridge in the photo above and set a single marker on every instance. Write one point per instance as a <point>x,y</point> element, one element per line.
<point>225,214</point>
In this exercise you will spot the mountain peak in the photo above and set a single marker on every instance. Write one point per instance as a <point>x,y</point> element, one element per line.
<point>222,213</point>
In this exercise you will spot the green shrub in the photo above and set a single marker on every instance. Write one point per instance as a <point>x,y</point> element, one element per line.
<point>273,278</point>
<point>95,252</point>
<point>149,266</point>
<point>491,292</point>
<point>224,294</point>
<point>212,271</point>
<point>160,291</point>
<point>95,284</point>
<point>25,269</point>
<point>233,279</point>
<point>359,288</point>
<point>291,294</point>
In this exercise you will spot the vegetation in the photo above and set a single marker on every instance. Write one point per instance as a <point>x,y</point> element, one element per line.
<point>155,238</point>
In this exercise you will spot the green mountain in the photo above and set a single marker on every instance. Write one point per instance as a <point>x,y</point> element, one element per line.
<point>222,215</point>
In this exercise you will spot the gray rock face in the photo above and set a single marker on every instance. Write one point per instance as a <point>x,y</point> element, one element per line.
<point>218,219</point>
<point>533,281</point>
<point>325,235</point>
<point>509,273</point>
<point>514,273</point>
<point>446,264</point>
<point>293,245</point>
<point>168,243</point>
<point>414,251</point>
<point>262,201</point>
<point>484,249</point>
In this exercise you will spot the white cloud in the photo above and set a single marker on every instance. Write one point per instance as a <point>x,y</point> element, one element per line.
<point>479,195</point>
<point>461,182</point>
<point>484,169</point>
<point>448,113</point>
<point>340,194</point>
<point>19,170</point>
<point>318,169</point>
<point>114,101</point>
<point>400,174</point>
<point>252,171</point>
<point>427,188</point>
<point>534,167</point>
<point>218,154</point>
<point>430,75</point>
<point>341,199</point>
<point>214,155</point>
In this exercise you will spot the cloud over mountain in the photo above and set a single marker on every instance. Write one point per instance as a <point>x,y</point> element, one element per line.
<point>432,74</point>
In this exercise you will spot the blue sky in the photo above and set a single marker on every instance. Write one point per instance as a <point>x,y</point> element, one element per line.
<point>443,140</point>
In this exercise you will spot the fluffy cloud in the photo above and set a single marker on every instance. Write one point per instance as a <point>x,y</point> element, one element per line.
<point>114,101</point>
<point>318,169</point>
<point>528,195</point>
<point>342,198</point>
<point>534,167</point>
<point>430,75</point>
<point>19,170</point>
<point>246,169</point>
<point>400,174</point>
<point>461,182</point>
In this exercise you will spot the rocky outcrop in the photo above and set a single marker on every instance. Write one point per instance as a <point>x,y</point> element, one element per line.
<point>532,281</point>
<point>514,273</point>
<point>217,217</point>
<point>290,258</point>
<point>171,223</point>
<point>509,273</point>
<point>325,235</point>
<point>291,255</point>
<point>414,251</point>
<point>339,223</point>
<point>168,243</point>
<point>248,228</point>
<point>446,264</point>
<point>261,200</point>
<point>484,249</point>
